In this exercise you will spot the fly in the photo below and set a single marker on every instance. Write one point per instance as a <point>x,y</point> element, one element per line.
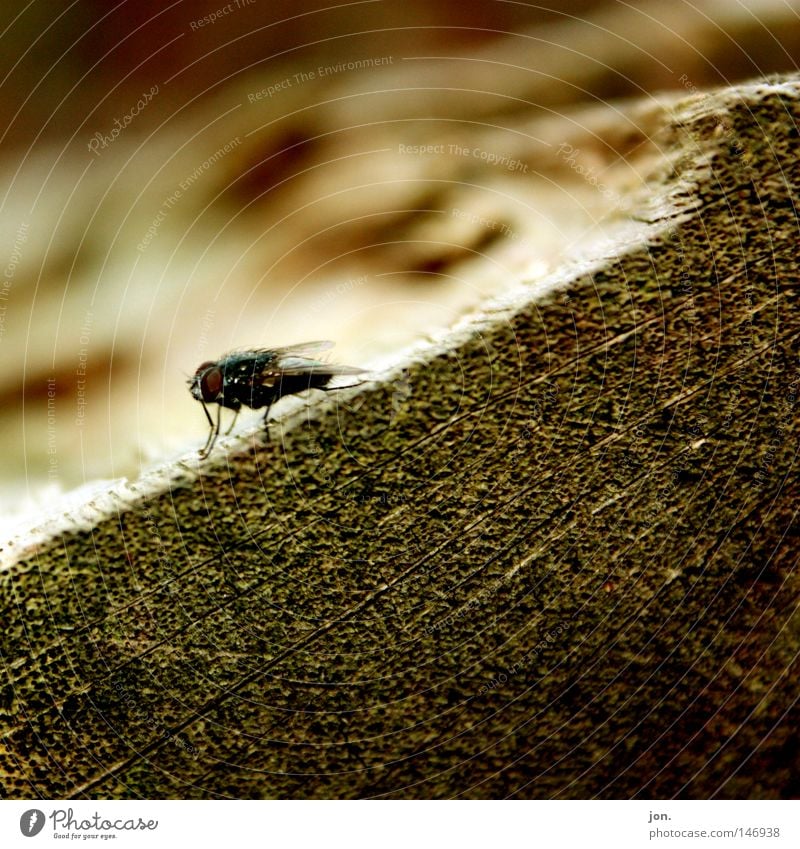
<point>258,378</point>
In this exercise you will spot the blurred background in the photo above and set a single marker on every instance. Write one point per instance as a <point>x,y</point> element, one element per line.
<point>180,180</point>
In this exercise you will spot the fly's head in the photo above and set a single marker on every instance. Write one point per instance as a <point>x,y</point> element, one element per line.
<point>206,385</point>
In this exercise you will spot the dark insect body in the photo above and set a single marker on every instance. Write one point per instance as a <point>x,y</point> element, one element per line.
<point>260,377</point>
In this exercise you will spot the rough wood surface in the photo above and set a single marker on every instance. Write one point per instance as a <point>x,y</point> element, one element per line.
<point>558,560</point>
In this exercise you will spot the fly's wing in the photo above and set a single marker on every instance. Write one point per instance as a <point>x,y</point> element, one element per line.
<point>290,364</point>
<point>264,362</point>
<point>263,358</point>
<point>265,366</point>
<point>304,348</point>
<point>294,360</point>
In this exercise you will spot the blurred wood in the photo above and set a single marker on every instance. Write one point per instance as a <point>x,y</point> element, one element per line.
<point>556,559</point>
<point>140,260</point>
<point>573,48</point>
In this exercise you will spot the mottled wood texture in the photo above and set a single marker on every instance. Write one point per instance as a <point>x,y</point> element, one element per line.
<point>557,561</point>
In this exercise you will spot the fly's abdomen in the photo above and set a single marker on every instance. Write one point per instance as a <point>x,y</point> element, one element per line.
<point>258,396</point>
<point>290,384</point>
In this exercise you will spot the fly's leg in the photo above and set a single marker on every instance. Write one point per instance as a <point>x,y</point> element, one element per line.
<point>353,405</point>
<point>212,434</point>
<point>266,423</point>
<point>235,416</point>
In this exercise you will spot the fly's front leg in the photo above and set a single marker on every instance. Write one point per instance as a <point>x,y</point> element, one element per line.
<point>212,434</point>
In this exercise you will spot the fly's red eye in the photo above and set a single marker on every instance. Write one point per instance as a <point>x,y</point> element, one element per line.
<point>202,367</point>
<point>211,384</point>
